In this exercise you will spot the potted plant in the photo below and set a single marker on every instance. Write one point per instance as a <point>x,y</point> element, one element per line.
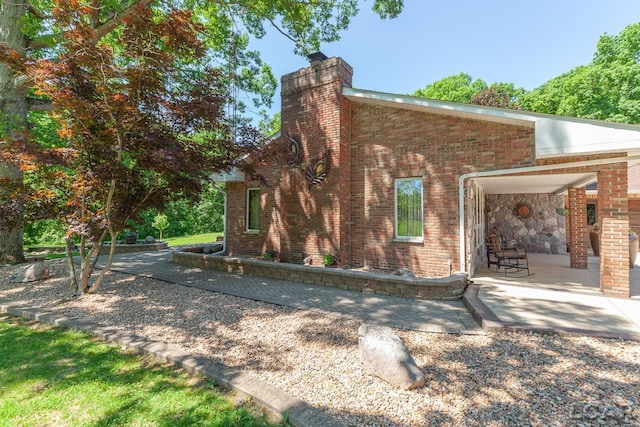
<point>328,260</point>
<point>269,255</point>
<point>131,238</point>
<point>633,248</point>
<point>594,239</point>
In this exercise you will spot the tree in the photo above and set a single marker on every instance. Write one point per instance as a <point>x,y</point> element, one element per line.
<point>501,95</point>
<point>160,222</point>
<point>26,29</point>
<point>270,125</point>
<point>458,88</point>
<point>140,125</point>
<point>608,88</point>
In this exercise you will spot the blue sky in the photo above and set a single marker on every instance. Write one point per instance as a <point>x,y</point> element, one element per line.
<point>520,42</point>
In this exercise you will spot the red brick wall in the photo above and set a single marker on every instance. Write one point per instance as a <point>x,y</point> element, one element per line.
<point>390,143</point>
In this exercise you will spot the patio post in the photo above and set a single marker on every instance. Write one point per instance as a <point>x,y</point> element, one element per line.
<point>613,215</point>
<point>578,257</point>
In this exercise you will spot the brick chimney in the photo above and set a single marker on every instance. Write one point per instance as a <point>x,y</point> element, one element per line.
<point>318,116</point>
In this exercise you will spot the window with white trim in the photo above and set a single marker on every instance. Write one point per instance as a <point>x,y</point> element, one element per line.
<point>408,206</point>
<point>253,209</point>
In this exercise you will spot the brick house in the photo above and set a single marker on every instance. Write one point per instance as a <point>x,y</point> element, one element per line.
<point>391,181</point>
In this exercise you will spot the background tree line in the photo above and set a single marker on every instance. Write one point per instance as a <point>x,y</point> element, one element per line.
<point>184,216</point>
<point>608,88</point>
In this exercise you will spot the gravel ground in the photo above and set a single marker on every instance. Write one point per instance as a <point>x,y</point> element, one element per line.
<point>506,379</point>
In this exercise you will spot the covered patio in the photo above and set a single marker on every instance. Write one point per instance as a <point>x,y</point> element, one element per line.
<point>543,208</point>
<point>553,272</point>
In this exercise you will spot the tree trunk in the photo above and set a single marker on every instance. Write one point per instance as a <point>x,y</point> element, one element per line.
<point>13,120</point>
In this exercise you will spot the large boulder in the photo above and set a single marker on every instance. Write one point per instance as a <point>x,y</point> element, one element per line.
<point>384,355</point>
<point>30,273</point>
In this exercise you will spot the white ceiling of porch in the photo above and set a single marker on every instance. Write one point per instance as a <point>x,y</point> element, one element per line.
<point>541,184</point>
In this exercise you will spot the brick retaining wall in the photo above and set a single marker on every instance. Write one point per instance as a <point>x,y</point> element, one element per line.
<point>448,288</point>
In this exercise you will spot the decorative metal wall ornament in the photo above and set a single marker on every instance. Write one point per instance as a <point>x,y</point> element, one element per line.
<point>294,150</point>
<point>318,170</point>
<point>522,210</point>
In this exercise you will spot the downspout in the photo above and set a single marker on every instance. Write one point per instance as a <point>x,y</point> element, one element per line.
<point>500,172</point>
<point>224,226</point>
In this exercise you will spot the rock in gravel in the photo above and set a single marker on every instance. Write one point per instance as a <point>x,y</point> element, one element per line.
<point>30,273</point>
<point>384,355</point>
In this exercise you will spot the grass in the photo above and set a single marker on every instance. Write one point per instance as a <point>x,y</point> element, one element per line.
<point>53,376</point>
<point>171,241</point>
<point>191,240</point>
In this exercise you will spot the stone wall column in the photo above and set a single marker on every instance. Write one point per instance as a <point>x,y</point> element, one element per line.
<point>578,228</point>
<point>613,215</point>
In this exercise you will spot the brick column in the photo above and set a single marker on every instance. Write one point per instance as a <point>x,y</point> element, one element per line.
<point>613,214</point>
<point>578,227</point>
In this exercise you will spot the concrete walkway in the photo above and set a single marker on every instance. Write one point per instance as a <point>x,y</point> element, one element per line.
<point>427,316</point>
<point>549,301</point>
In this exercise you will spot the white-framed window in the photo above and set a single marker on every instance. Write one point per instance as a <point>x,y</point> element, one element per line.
<point>408,206</point>
<point>253,209</point>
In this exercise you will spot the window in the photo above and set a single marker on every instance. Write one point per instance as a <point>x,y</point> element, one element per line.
<point>253,209</point>
<point>409,209</point>
<point>591,214</point>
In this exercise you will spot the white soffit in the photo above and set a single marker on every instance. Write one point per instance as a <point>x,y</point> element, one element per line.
<point>234,175</point>
<point>534,184</point>
<point>565,136</point>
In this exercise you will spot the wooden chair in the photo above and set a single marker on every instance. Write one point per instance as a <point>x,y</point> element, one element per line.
<point>511,258</point>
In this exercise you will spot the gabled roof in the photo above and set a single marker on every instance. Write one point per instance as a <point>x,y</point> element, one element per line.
<point>555,136</point>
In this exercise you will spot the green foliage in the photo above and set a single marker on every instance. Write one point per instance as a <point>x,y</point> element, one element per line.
<point>160,223</point>
<point>502,95</point>
<point>328,259</point>
<point>44,232</point>
<point>187,217</point>
<point>63,377</point>
<point>458,88</point>
<point>269,126</point>
<point>606,89</point>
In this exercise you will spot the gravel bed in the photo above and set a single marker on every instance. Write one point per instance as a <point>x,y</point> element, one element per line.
<point>505,379</point>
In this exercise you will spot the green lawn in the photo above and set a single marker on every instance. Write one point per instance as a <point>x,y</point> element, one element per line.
<point>191,240</point>
<point>52,376</point>
<point>171,241</point>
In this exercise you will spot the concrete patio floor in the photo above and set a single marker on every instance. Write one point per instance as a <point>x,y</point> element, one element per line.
<point>552,272</point>
<point>559,298</point>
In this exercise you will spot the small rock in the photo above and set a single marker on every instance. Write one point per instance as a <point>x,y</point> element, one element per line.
<point>404,272</point>
<point>149,239</point>
<point>384,355</point>
<point>30,273</point>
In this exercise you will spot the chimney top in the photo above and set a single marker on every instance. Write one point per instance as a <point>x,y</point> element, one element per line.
<point>316,57</point>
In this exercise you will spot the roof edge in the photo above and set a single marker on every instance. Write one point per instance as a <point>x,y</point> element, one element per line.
<point>459,108</point>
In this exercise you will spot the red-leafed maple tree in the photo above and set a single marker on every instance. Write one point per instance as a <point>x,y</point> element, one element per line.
<point>142,119</point>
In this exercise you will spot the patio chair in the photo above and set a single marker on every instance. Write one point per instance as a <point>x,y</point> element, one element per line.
<point>512,258</point>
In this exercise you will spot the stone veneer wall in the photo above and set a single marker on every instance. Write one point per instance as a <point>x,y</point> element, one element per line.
<point>543,232</point>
